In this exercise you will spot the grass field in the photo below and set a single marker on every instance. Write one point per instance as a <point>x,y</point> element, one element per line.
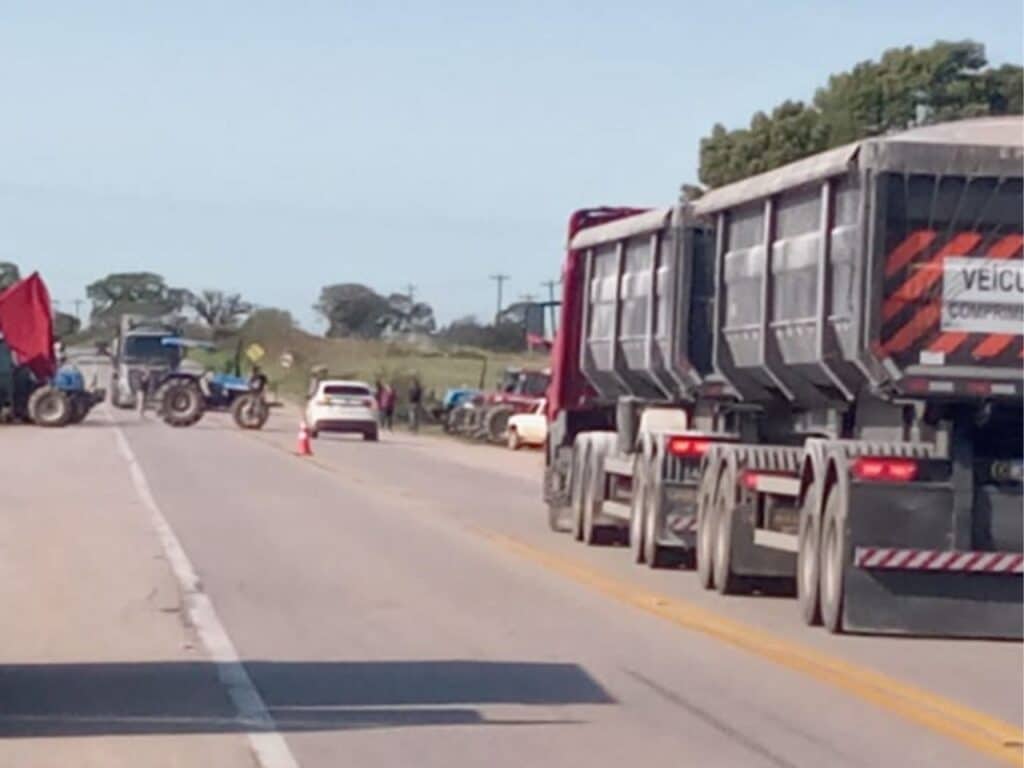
<point>396,362</point>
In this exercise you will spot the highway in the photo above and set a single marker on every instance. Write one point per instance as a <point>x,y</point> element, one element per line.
<point>205,597</point>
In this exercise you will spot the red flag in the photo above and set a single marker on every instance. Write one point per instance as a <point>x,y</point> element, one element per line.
<point>26,323</point>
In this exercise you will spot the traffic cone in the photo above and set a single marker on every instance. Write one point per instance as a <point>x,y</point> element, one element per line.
<point>304,448</point>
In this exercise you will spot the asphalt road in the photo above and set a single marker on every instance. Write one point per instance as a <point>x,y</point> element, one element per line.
<point>402,603</point>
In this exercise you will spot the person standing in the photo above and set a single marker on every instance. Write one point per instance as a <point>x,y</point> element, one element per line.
<point>387,407</point>
<point>415,398</point>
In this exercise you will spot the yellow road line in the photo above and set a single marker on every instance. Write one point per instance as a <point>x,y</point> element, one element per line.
<point>983,733</point>
<point>974,729</point>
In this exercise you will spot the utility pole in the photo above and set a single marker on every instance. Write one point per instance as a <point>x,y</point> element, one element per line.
<point>410,291</point>
<point>550,284</point>
<point>78,306</point>
<point>500,280</point>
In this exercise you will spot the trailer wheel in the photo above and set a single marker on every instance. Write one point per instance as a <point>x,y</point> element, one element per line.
<point>726,581</point>
<point>580,480</point>
<point>654,554</point>
<point>706,527</point>
<point>808,559</point>
<point>833,560</point>
<point>637,507</point>
<point>593,532</point>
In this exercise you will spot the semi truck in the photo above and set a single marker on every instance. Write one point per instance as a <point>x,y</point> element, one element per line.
<point>811,379</point>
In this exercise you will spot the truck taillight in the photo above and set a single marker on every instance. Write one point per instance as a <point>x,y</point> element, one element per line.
<point>369,402</point>
<point>688,447</point>
<point>884,470</point>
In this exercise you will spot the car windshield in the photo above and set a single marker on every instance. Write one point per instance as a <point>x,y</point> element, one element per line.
<point>350,390</point>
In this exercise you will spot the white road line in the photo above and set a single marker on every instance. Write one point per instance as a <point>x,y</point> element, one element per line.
<point>269,747</point>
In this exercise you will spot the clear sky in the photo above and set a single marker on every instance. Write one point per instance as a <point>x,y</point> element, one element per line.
<point>273,147</point>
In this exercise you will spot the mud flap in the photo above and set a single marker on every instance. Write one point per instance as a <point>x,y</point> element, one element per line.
<point>749,559</point>
<point>939,603</point>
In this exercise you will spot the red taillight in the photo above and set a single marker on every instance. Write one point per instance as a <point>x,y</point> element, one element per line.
<point>369,402</point>
<point>749,480</point>
<point>983,388</point>
<point>885,470</point>
<point>688,447</point>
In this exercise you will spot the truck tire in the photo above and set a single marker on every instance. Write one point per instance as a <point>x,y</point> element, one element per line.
<point>593,491</point>
<point>49,407</point>
<point>655,555</point>
<point>580,479</point>
<point>636,512</point>
<point>808,559</point>
<point>250,411</point>
<point>833,559</point>
<point>180,403</point>
<point>496,423</point>
<point>706,527</point>
<point>726,581</point>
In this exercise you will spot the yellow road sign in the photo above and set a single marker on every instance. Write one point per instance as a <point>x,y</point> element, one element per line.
<point>255,352</point>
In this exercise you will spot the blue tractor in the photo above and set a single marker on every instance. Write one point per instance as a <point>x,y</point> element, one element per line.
<point>63,399</point>
<point>184,393</point>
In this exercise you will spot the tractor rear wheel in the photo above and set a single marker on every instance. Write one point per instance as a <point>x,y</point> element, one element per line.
<point>181,402</point>
<point>250,411</point>
<point>49,407</point>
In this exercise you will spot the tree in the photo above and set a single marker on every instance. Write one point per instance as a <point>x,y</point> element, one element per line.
<point>142,293</point>
<point>352,309</point>
<point>222,312</point>
<point>9,274</point>
<point>407,316</point>
<point>65,325</point>
<point>905,87</point>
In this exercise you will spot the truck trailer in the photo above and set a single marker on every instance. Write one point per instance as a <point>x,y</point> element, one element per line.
<point>811,378</point>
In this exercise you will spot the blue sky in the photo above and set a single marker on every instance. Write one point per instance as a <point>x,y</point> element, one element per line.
<point>272,147</point>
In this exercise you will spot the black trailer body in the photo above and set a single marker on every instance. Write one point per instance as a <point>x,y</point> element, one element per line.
<point>868,319</point>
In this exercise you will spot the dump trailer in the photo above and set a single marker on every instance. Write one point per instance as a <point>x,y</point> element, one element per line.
<point>813,377</point>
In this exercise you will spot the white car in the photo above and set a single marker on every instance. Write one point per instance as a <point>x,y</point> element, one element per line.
<point>528,428</point>
<point>343,406</point>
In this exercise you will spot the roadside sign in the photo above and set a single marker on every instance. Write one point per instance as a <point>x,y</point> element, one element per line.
<point>255,352</point>
<point>287,360</point>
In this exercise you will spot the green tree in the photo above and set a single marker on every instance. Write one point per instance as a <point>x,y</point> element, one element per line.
<point>905,87</point>
<point>352,309</point>
<point>65,325</point>
<point>143,293</point>
<point>9,274</point>
<point>221,312</point>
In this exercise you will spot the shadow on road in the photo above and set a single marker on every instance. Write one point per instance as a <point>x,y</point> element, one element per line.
<point>49,700</point>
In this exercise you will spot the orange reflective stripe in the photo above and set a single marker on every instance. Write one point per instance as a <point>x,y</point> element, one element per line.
<point>993,345</point>
<point>948,342</point>
<point>1006,247</point>
<point>914,243</point>
<point>1003,248</point>
<point>928,274</point>
<point>927,317</point>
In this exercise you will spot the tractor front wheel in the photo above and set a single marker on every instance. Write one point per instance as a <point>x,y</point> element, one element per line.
<point>250,411</point>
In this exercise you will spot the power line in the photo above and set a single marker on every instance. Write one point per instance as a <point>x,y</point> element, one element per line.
<point>500,280</point>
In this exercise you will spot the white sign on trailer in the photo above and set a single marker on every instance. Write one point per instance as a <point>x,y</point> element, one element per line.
<point>982,295</point>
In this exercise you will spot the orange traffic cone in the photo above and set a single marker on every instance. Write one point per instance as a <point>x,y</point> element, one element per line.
<point>304,448</point>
